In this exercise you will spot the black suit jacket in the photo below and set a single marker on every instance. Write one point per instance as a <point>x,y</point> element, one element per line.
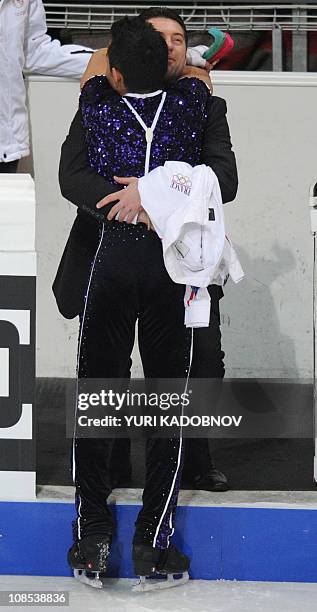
<point>84,187</point>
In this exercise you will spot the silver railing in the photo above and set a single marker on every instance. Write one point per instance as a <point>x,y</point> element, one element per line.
<point>298,18</point>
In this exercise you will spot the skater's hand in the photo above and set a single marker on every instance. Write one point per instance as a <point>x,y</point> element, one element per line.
<point>129,201</point>
<point>210,65</point>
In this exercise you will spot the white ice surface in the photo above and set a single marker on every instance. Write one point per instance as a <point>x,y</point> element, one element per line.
<point>197,595</point>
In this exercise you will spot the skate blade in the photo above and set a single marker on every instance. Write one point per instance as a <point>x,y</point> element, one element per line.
<point>151,584</point>
<point>95,583</point>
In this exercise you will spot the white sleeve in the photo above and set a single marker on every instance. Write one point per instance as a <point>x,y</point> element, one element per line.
<point>46,56</point>
<point>194,56</point>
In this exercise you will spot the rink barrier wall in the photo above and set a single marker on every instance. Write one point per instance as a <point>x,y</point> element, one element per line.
<point>231,543</point>
<point>18,268</point>
<point>268,222</point>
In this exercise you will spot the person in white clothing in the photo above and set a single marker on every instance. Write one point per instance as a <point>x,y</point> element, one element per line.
<point>26,47</point>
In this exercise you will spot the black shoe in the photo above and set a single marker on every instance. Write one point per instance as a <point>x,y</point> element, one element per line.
<point>91,553</point>
<point>172,561</point>
<point>213,480</point>
<point>148,560</point>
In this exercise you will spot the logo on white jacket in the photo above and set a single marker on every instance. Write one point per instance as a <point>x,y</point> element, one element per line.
<point>18,3</point>
<point>181,183</point>
<point>20,7</point>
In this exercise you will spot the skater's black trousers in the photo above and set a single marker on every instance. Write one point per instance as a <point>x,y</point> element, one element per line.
<point>129,283</point>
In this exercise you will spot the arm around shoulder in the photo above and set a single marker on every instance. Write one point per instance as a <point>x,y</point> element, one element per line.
<point>97,65</point>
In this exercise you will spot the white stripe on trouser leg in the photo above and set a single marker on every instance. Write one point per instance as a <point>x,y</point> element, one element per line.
<point>77,370</point>
<point>178,458</point>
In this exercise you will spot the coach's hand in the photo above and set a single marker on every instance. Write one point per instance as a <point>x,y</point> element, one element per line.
<point>143,217</point>
<point>128,200</point>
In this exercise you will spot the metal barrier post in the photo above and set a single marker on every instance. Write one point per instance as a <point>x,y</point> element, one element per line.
<point>277,49</point>
<point>299,52</point>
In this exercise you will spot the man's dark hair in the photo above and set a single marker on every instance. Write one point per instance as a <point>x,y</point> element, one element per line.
<point>140,53</point>
<point>165,12</point>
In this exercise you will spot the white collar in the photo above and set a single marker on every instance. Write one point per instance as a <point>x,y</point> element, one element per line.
<point>143,95</point>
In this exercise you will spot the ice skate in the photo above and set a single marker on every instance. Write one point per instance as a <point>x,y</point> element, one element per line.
<point>159,569</point>
<point>88,558</point>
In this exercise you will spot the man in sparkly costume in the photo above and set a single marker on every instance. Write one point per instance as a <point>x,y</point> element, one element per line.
<point>80,182</point>
<point>128,281</point>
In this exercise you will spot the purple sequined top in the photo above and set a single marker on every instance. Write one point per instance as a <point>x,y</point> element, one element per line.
<point>116,141</point>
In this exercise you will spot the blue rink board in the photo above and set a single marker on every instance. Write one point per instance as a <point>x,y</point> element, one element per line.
<point>230,543</point>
